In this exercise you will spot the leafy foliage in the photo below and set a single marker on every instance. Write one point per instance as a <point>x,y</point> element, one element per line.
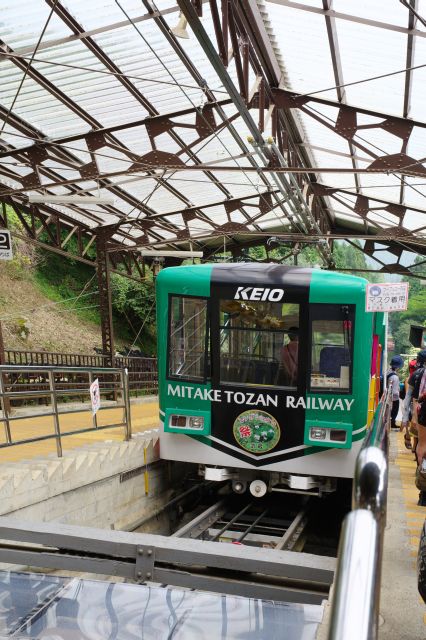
<point>416,312</point>
<point>62,278</point>
<point>135,302</point>
<point>347,256</point>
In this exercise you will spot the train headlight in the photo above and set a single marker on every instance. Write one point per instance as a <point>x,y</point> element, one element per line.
<point>338,435</point>
<point>196,422</point>
<point>317,434</point>
<point>178,421</point>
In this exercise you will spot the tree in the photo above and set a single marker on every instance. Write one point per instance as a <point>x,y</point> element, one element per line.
<point>416,311</point>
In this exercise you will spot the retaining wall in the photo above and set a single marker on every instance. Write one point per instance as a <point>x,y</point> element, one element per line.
<point>100,485</point>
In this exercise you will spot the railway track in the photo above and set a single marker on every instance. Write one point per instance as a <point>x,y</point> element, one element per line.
<point>296,523</point>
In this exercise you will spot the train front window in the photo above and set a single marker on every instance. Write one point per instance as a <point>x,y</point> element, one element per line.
<point>259,343</point>
<point>189,344</point>
<point>331,355</point>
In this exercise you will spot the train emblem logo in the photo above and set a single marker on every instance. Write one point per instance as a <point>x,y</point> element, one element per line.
<point>256,431</point>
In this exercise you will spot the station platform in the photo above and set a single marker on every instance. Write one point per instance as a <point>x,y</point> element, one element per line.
<point>144,415</point>
<point>402,611</point>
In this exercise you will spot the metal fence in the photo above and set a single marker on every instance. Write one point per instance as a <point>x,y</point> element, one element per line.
<point>355,606</point>
<point>143,371</point>
<point>58,387</point>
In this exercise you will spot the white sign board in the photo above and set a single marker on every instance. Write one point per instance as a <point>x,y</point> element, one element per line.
<point>95,396</point>
<point>5,245</point>
<point>388,296</point>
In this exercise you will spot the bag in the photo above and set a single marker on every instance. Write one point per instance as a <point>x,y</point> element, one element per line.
<point>402,390</point>
<point>421,414</point>
<point>389,376</point>
<point>420,479</point>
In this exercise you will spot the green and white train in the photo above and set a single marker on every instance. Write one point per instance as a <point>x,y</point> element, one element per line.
<point>268,374</point>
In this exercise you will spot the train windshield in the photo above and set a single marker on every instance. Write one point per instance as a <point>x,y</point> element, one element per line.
<point>259,343</point>
<point>189,343</point>
<point>331,330</point>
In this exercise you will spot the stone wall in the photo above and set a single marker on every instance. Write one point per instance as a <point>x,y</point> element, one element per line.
<point>101,485</point>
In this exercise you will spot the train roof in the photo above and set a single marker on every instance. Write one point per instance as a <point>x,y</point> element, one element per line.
<point>271,272</point>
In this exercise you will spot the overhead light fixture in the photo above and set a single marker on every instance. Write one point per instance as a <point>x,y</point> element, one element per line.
<point>49,199</point>
<point>146,253</point>
<point>180,29</point>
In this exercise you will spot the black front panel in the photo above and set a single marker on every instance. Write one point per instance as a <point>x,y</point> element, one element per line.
<point>244,406</point>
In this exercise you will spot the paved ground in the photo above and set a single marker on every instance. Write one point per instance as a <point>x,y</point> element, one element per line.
<point>402,610</point>
<point>144,416</point>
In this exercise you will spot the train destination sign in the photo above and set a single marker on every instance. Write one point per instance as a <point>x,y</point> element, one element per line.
<point>259,399</point>
<point>5,245</point>
<point>387,296</point>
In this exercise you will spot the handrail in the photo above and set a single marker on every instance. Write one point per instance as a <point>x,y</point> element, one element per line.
<point>355,605</point>
<point>25,357</point>
<point>43,383</point>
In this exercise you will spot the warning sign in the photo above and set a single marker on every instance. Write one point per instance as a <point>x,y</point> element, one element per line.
<point>5,245</point>
<point>389,296</point>
<point>95,396</point>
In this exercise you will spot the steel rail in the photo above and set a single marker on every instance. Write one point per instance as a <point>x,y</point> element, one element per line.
<point>355,605</point>
<point>234,519</point>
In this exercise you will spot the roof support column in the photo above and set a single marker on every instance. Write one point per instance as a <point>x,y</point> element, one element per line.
<point>104,285</point>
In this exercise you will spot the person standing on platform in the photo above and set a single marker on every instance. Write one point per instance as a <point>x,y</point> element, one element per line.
<point>392,380</point>
<point>420,411</point>
<point>409,411</point>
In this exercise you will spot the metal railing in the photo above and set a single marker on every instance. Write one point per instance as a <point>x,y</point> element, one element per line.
<point>143,371</point>
<point>37,383</point>
<point>355,605</point>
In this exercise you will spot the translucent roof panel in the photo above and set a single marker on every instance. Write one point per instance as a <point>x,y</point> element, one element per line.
<point>357,55</point>
<point>102,98</point>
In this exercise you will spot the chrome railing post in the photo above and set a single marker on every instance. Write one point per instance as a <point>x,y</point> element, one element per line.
<point>355,610</point>
<point>5,407</point>
<point>55,413</point>
<point>124,375</point>
<point>356,599</point>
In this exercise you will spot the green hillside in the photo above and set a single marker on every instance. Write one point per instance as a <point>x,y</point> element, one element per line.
<point>49,302</point>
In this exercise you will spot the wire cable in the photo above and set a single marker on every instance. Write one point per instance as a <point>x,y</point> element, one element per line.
<point>143,324</point>
<point>102,71</point>
<point>44,306</point>
<point>351,84</point>
<point>29,64</point>
<point>198,109</point>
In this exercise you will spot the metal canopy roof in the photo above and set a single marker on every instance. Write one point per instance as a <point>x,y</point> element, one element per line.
<point>264,121</point>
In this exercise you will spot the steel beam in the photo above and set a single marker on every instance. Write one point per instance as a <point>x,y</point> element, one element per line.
<point>73,106</point>
<point>293,100</point>
<point>382,169</point>
<point>351,18</point>
<point>329,191</point>
<point>408,75</point>
<point>333,42</point>
<point>48,44</point>
<point>47,143</point>
<point>241,570</point>
<point>103,235</point>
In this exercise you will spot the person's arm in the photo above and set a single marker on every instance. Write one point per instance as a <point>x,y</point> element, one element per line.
<point>406,405</point>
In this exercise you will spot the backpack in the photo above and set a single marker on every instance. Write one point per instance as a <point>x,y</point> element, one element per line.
<point>389,376</point>
<point>421,413</point>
